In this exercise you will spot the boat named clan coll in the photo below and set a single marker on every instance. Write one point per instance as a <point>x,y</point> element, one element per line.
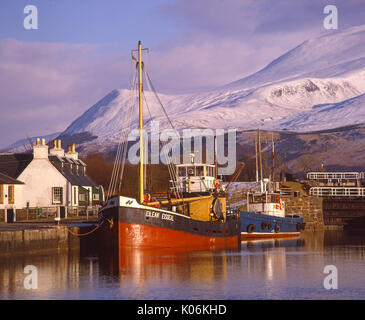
<point>194,215</point>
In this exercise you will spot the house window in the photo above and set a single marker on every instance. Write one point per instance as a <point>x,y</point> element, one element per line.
<point>96,196</point>
<point>1,193</point>
<point>11,194</point>
<point>82,197</point>
<point>57,195</point>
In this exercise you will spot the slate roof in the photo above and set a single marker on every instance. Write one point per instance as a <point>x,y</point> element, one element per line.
<point>76,175</point>
<point>13,165</point>
<point>4,179</point>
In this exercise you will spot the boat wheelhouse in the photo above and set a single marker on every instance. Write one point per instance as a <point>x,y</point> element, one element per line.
<point>196,177</point>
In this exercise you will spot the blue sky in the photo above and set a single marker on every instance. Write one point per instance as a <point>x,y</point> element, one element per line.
<point>91,21</point>
<point>81,51</point>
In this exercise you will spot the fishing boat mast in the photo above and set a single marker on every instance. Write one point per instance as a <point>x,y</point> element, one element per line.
<point>140,89</point>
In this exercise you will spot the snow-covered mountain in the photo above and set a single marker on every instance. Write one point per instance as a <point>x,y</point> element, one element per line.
<point>333,55</point>
<point>318,85</point>
<point>328,116</point>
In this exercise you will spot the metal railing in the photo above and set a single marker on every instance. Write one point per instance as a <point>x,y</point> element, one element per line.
<point>337,192</point>
<point>335,175</point>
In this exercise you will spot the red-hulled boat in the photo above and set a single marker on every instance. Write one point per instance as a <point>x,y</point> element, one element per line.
<point>194,216</point>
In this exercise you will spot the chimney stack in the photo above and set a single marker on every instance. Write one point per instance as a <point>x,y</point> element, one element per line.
<point>40,150</point>
<point>72,152</point>
<point>57,149</point>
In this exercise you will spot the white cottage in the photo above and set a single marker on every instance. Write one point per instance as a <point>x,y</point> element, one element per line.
<point>51,178</point>
<point>10,190</point>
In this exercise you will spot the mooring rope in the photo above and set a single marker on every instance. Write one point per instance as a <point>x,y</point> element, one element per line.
<point>87,233</point>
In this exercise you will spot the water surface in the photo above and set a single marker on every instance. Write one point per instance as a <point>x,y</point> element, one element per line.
<point>270,269</point>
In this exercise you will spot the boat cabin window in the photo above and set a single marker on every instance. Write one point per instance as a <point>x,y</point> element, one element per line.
<point>209,172</point>
<point>200,171</point>
<point>275,198</point>
<point>182,172</point>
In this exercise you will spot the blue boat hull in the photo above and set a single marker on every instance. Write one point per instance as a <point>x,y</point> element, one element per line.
<point>260,226</point>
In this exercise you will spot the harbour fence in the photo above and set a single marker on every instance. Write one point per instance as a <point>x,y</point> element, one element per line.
<point>337,192</point>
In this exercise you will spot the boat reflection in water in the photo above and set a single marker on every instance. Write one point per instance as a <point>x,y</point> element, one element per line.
<point>266,269</point>
<point>267,259</point>
<point>141,265</point>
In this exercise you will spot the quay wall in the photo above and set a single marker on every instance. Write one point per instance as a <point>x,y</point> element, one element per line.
<point>310,208</point>
<point>38,240</point>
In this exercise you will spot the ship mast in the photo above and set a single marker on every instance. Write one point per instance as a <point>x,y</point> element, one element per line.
<point>140,88</point>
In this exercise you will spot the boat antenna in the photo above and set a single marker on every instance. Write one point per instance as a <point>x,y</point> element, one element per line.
<point>273,157</point>
<point>215,159</point>
<point>257,170</point>
<point>260,156</point>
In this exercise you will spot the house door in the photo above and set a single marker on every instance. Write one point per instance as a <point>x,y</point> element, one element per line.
<point>62,212</point>
<point>10,215</point>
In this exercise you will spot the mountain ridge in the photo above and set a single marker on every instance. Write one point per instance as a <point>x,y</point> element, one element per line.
<point>317,86</point>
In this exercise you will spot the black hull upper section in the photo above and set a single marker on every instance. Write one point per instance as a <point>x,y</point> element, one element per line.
<point>154,218</point>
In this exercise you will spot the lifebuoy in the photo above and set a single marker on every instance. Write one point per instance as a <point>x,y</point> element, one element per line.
<point>277,228</point>
<point>251,228</point>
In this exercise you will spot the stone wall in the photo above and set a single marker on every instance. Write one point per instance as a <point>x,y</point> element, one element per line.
<point>310,208</point>
<point>37,240</point>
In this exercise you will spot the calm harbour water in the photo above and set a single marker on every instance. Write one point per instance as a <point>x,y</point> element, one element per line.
<point>270,269</point>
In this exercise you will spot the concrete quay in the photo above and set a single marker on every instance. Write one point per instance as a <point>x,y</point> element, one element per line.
<point>37,237</point>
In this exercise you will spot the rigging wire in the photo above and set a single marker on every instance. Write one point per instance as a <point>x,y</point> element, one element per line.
<point>170,169</point>
<point>170,165</point>
<point>118,167</point>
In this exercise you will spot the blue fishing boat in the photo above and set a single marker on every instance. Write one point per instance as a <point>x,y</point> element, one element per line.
<point>265,218</point>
